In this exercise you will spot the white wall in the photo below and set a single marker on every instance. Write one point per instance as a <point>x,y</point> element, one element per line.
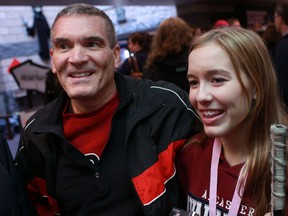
<point>13,31</point>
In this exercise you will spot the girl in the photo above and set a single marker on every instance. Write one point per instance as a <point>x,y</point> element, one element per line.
<point>234,90</point>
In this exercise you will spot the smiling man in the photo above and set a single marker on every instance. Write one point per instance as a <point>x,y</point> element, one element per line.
<point>106,145</point>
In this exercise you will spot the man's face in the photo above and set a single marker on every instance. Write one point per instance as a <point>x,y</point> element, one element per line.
<point>277,21</point>
<point>82,57</point>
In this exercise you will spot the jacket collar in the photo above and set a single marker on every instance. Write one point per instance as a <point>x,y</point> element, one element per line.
<point>51,114</point>
<point>129,89</point>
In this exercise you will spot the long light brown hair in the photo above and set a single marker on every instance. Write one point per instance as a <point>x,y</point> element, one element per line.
<point>248,52</point>
<point>172,36</point>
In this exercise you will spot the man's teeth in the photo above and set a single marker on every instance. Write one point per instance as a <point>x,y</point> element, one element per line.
<point>81,74</point>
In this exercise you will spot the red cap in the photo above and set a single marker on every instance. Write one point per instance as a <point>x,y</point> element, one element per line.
<point>221,23</point>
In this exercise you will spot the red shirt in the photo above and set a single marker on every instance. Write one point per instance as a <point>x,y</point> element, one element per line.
<point>82,129</point>
<point>194,172</point>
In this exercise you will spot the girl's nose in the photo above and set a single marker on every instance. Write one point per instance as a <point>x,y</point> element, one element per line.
<point>204,93</point>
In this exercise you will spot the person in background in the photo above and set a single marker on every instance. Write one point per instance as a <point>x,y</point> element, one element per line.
<point>13,197</point>
<point>221,23</point>
<point>271,36</point>
<point>234,22</point>
<point>167,59</point>
<point>138,46</point>
<point>280,55</point>
<point>52,87</point>
<point>235,94</point>
<point>106,146</point>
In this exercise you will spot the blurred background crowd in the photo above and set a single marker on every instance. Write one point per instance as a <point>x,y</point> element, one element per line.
<point>154,42</point>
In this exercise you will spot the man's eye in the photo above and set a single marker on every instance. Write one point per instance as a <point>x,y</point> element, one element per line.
<point>61,46</point>
<point>92,44</point>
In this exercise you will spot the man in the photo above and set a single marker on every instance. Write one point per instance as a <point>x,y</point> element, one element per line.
<point>280,54</point>
<point>106,145</point>
<point>13,198</point>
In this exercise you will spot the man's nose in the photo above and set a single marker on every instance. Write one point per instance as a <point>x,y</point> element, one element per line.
<point>78,55</point>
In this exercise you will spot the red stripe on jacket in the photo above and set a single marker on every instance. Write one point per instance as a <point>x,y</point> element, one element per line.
<point>37,192</point>
<point>151,183</point>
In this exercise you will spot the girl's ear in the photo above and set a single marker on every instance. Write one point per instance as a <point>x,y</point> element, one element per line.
<point>255,95</point>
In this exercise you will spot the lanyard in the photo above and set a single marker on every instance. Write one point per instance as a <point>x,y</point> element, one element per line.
<point>233,210</point>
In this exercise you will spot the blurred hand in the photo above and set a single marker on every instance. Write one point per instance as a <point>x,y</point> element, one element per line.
<point>137,75</point>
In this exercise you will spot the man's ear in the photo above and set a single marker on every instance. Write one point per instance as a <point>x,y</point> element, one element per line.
<point>116,52</point>
<point>52,63</point>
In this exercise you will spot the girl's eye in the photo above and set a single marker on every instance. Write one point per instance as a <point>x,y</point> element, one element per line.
<point>217,80</point>
<point>193,83</point>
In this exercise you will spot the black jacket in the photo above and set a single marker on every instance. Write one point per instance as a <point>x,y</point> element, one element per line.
<point>159,119</point>
<point>280,60</point>
<point>171,68</point>
<point>42,30</point>
<point>13,198</point>
<point>126,68</point>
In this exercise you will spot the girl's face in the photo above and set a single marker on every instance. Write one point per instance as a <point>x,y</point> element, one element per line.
<point>215,91</point>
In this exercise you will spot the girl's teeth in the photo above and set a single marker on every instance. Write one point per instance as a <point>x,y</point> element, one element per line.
<point>210,113</point>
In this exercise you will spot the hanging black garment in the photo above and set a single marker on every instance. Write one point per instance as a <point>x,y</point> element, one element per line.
<point>42,29</point>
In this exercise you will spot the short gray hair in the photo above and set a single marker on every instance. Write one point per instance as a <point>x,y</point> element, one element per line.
<point>89,10</point>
